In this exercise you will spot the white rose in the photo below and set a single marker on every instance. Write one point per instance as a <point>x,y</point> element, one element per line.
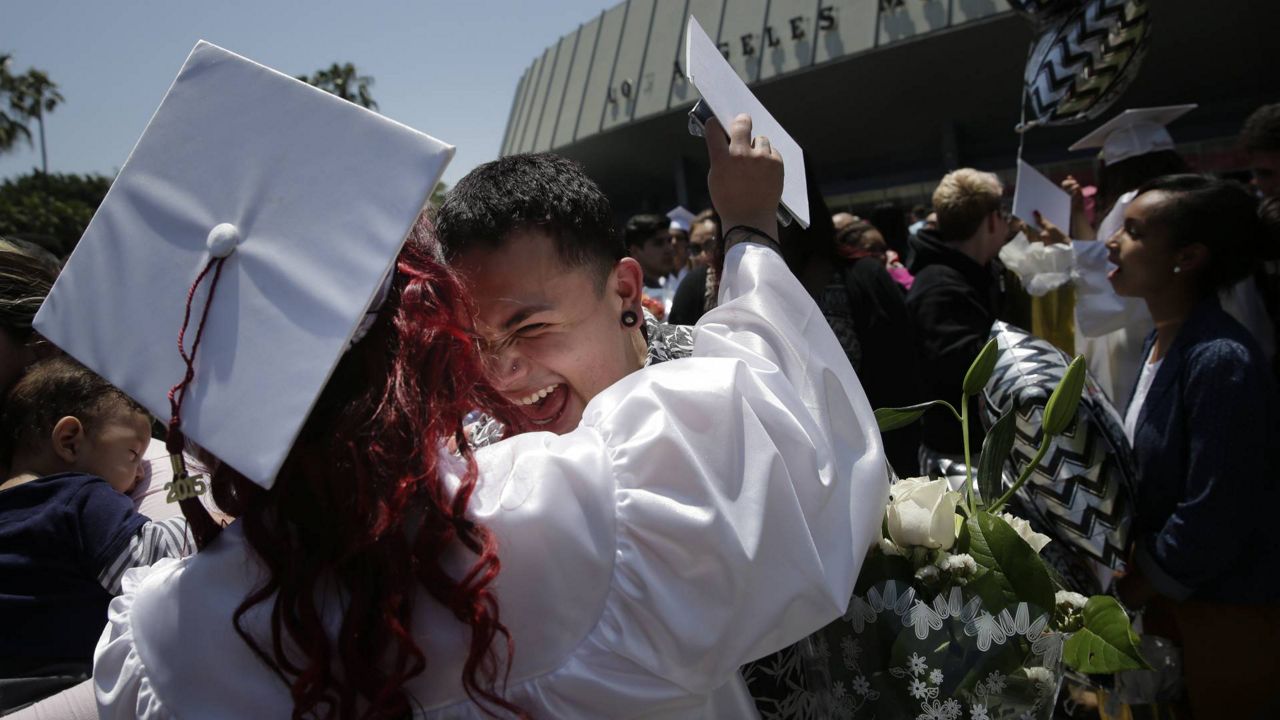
<point>922,513</point>
<point>1036,540</point>
<point>1073,600</point>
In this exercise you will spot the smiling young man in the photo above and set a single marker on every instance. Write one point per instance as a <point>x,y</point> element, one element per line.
<point>558,302</point>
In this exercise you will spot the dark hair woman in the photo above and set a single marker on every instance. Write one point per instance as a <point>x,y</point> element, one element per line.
<point>705,512</point>
<point>1203,424</point>
<point>26,276</point>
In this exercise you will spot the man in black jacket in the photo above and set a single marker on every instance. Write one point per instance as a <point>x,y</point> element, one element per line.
<point>954,298</point>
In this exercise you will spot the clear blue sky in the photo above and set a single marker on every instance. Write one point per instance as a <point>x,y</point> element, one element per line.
<point>446,68</point>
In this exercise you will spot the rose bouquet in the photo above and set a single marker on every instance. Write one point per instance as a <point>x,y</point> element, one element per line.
<point>955,614</point>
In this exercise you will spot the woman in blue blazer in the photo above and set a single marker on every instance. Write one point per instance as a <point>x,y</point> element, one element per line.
<point>1203,423</point>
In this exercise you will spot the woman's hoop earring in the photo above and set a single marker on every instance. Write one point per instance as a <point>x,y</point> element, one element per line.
<point>629,318</point>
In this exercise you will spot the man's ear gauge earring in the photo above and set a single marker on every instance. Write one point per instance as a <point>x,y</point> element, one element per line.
<point>629,318</point>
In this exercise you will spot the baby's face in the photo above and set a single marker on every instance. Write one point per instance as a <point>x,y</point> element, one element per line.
<point>113,449</point>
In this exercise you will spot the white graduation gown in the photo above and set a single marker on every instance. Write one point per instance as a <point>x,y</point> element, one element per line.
<point>706,512</point>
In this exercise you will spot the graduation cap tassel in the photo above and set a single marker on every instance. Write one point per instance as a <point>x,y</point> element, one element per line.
<point>174,441</point>
<point>186,489</point>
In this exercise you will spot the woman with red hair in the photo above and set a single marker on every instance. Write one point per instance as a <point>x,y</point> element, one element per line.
<point>705,513</point>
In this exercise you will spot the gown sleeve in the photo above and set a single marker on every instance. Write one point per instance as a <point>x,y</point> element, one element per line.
<point>744,516</point>
<point>120,678</point>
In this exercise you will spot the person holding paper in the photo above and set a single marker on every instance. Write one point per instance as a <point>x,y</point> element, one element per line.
<point>704,513</point>
<point>1135,147</point>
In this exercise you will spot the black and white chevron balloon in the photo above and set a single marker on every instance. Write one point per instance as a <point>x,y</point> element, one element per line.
<point>1084,59</point>
<point>1082,490</point>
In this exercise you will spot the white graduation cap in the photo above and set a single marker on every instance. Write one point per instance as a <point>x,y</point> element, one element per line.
<point>311,196</point>
<point>728,97</point>
<point>681,218</point>
<point>1134,132</point>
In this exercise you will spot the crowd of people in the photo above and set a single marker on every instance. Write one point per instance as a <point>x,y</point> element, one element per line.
<point>510,499</point>
<point>1179,271</point>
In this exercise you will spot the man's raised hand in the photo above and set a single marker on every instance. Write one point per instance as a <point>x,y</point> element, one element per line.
<point>745,180</point>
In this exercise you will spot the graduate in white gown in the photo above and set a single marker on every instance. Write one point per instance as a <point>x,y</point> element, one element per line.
<point>705,513</point>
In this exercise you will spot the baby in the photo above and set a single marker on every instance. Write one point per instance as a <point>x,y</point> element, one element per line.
<point>74,447</point>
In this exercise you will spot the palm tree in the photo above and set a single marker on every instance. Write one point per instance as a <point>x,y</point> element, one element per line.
<point>437,195</point>
<point>31,95</point>
<point>12,128</point>
<point>345,82</point>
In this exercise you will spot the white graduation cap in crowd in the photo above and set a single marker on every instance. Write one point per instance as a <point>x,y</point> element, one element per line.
<point>306,197</point>
<point>681,218</point>
<point>1134,132</point>
<point>728,97</point>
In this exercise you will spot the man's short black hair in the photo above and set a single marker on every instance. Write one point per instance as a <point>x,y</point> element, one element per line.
<point>539,191</point>
<point>1261,132</point>
<point>640,228</point>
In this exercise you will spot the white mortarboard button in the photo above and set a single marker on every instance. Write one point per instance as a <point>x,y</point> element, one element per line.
<point>223,239</point>
<point>1134,132</point>
<point>327,191</point>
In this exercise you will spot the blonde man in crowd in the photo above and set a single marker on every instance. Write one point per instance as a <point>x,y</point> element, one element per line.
<point>953,300</point>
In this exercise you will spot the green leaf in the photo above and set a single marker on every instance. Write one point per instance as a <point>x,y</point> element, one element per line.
<point>998,548</point>
<point>1106,644</point>
<point>962,532</point>
<point>980,371</point>
<point>1060,411</point>
<point>995,450</point>
<point>987,585</point>
<point>894,418</point>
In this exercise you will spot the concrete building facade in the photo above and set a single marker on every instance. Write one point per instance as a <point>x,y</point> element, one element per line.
<point>884,95</point>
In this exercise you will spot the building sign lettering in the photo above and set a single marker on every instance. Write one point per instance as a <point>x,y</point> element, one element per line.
<point>827,18</point>
<point>797,27</point>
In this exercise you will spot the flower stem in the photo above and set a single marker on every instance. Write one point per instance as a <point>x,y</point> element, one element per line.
<point>968,466</point>
<point>1022,477</point>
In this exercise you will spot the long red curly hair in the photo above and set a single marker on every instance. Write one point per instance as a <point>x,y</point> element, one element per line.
<point>359,506</point>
